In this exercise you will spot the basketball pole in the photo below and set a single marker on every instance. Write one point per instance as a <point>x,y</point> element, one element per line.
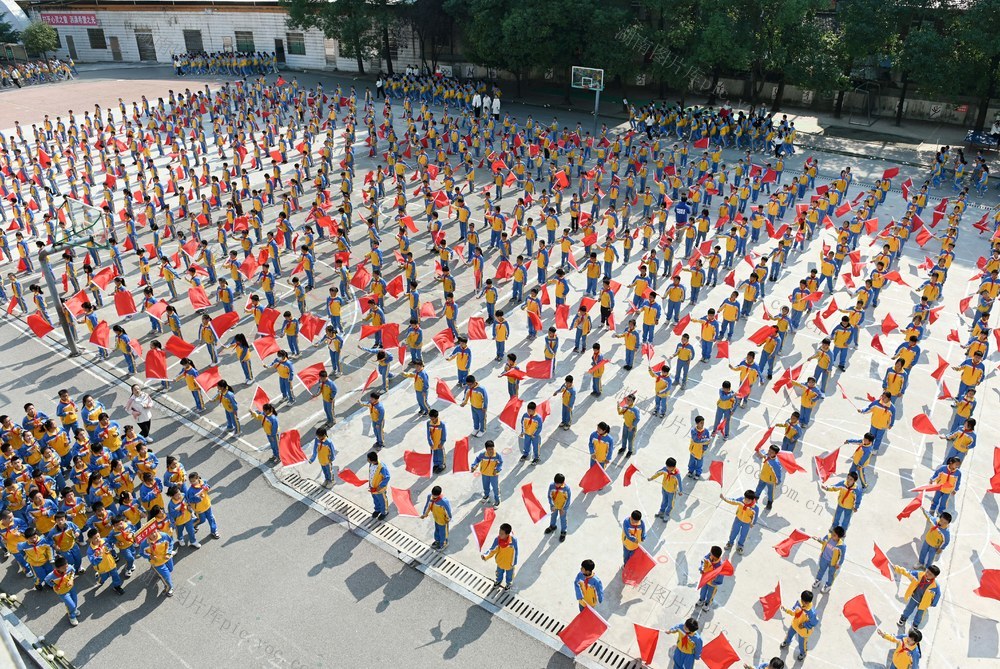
<point>50,281</point>
<point>597,104</point>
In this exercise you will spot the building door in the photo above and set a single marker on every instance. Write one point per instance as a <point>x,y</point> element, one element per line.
<point>71,45</point>
<point>279,50</point>
<point>193,42</point>
<point>116,49</point>
<point>147,49</point>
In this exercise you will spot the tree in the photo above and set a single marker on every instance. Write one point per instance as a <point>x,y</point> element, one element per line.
<point>980,53</point>
<point>8,34</point>
<point>40,38</point>
<point>432,25</point>
<point>349,22</point>
<point>865,31</point>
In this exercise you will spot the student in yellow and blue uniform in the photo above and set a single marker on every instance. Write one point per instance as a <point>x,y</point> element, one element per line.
<point>290,328</point>
<point>478,400</point>
<point>285,373</point>
<point>324,451</point>
<point>772,473</point>
<point>241,346</point>
<point>746,517</point>
<point>227,398</point>
<point>100,557</point>
<point>462,356</point>
<point>501,333</point>
<point>792,432</point>
<point>568,396</point>
<point>489,464</point>
<point>671,486</point>
<point>936,538</point>
<point>883,417</point>
<point>922,593</point>
<point>849,495</point>
<point>950,479</point>
<point>907,652</point>
<point>588,587</point>
<point>38,553</point>
<point>724,408</point>
<point>64,537</point>
<point>831,557</point>
<point>689,644</point>
<point>711,561</point>
<point>334,343</point>
<point>378,483</point>
<point>631,337</point>
<point>269,421</point>
<point>159,549</point>
<point>964,406</point>
<point>62,581</point>
<point>328,391</point>
<point>190,375</point>
<point>810,396</point>
<point>377,414</point>
<point>181,517</point>
<point>504,550</point>
<point>421,385</point>
<point>803,623</point>
<point>633,534</point>
<point>597,364</point>
<point>437,435</point>
<point>531,433</point>
<point>559,496</point>
<point>700,438</point>
<point>961,441</point>
<point>630,425</point>
<point>440,508</point>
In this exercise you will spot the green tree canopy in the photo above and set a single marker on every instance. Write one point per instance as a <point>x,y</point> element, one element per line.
<point>40,38</point>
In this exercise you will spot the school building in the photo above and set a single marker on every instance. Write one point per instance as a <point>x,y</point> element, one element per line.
<point>151,31</point>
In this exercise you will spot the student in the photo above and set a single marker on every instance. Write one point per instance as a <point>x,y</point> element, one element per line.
<point>700,438</point>
<point>772,473</point>
<point>803,623</point>
<point>376,412</point>
<point>62,580</point>
<point>504,551</point>
<point>936,538</point>
<point>559,496</point>
<point>588,587</point>
<point>531,433</point>
<point>950,479</point>
<point>268,418</point>
<point>101,559</point>
<point>437,435</point>
<point>475,395</point>
<point>328,391</point>
<point>489,464</point>
<point>630,424</point>
<point>711,561</point>
<point>689,644</point>
<point>378,483</point>
<point>440,508</point>
<point>724,409</point>
<point>848,499</point>
<point>746,517</point>
<point>907,652</point>
<point>672,485</point>
<point>633,534</point>
<point>922,593</point>
<point>198,496</point>
<point>831,557</point>
<point>159,549</point>
<point>883,417</point>
<point>324,451</point>
<point>568,393</point>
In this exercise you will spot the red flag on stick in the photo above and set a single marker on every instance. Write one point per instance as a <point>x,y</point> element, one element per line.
<point>858,614</point>
<point>719,653</point>
<point>290,448</point>
<point>156,364</point>
<point>826,465</point>
<point>460,458</point>
<point>401,499</point>
<point>771,602</point>
<point>646,638</point>
<point>535,509</point>
<point>638,567</point>
<point>482,528</point>
<point>586,628</point>
<point>882,563</point>
<point>595,479</point>
<point>785,546</point>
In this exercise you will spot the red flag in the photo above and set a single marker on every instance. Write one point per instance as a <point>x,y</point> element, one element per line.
<point>881,563</point>
<point>156,364</point>
<point>371,379</point>
<point>818,322</point>
<point>198,298</point>
<point>929,487</point>
<point>586,628</point>
<point>401,498</point>
<point>724,569</point>
<point>922,424</point>
<point>39,325</point>
<point>681,325</point>
<point>536,320</point>
<point>124,303</point>
<point>701,143</point>
<point>310,326</point>
<point>535,509</point>
<point>858,614</point>
<point>362,277</point>
<point>719,653</point>
<point>631,471</point>
<point>208,378</point>
<point>309,376</point>
<point>945,393</point>
<point>100,335</point>
<point>504,271</point>
<point>715,471</point>
<point>290,448</point>
<point>771,602</point>
<point>482,528</point>
<point>638,567</point>
<point>395,287</point>
<point>888,324</point>
<point>722,349</point>
<point>877,344</point>
<point>595,479</point>
<point>104,276</point>
<point>544,409</point>
<point>941,369</point>
<point>265,346</point>
<point>562,317</point>
<point>418,464</point>
<point>460,458</point>
<point>989,584</point>
<point>787,459</point>
<point>538,369</point>
<point>911,506</point>
<point>178,347</point>
<point>826,465</point>
<point>890,173</point>
<point>348,476</point>
<point>510,412</point>
<point>785,546</point>
<point>763,334</point>
<point>764,439</point>
<point>477,328</point>
<point>444,340</point>
<point>223,322</point>
<point>260,398</point>
<point>830,309</point>
<point>444,392</point>
<point>646,638</point>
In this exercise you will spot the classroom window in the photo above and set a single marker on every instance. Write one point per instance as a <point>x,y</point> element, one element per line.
<point>96,37</point>
<point>244,41</point>
<point>296,44</point>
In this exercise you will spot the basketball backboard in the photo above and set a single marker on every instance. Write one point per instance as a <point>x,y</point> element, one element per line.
<point>588,78</point>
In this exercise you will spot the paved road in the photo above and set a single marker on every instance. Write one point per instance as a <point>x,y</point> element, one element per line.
<point>283,587</point>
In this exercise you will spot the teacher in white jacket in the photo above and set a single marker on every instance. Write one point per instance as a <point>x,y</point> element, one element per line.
<point>139,405</point>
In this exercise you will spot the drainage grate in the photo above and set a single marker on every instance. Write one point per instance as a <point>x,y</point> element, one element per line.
<point>455,571</point>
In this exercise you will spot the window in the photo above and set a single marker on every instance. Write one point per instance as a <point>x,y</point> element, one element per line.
<point>296,44</point>
<point>96,37</point>
<point>58,39</point>
<point>192,41</point>
<point>244,41</point>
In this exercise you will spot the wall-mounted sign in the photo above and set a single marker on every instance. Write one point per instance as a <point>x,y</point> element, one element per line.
<point>74,19</point>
